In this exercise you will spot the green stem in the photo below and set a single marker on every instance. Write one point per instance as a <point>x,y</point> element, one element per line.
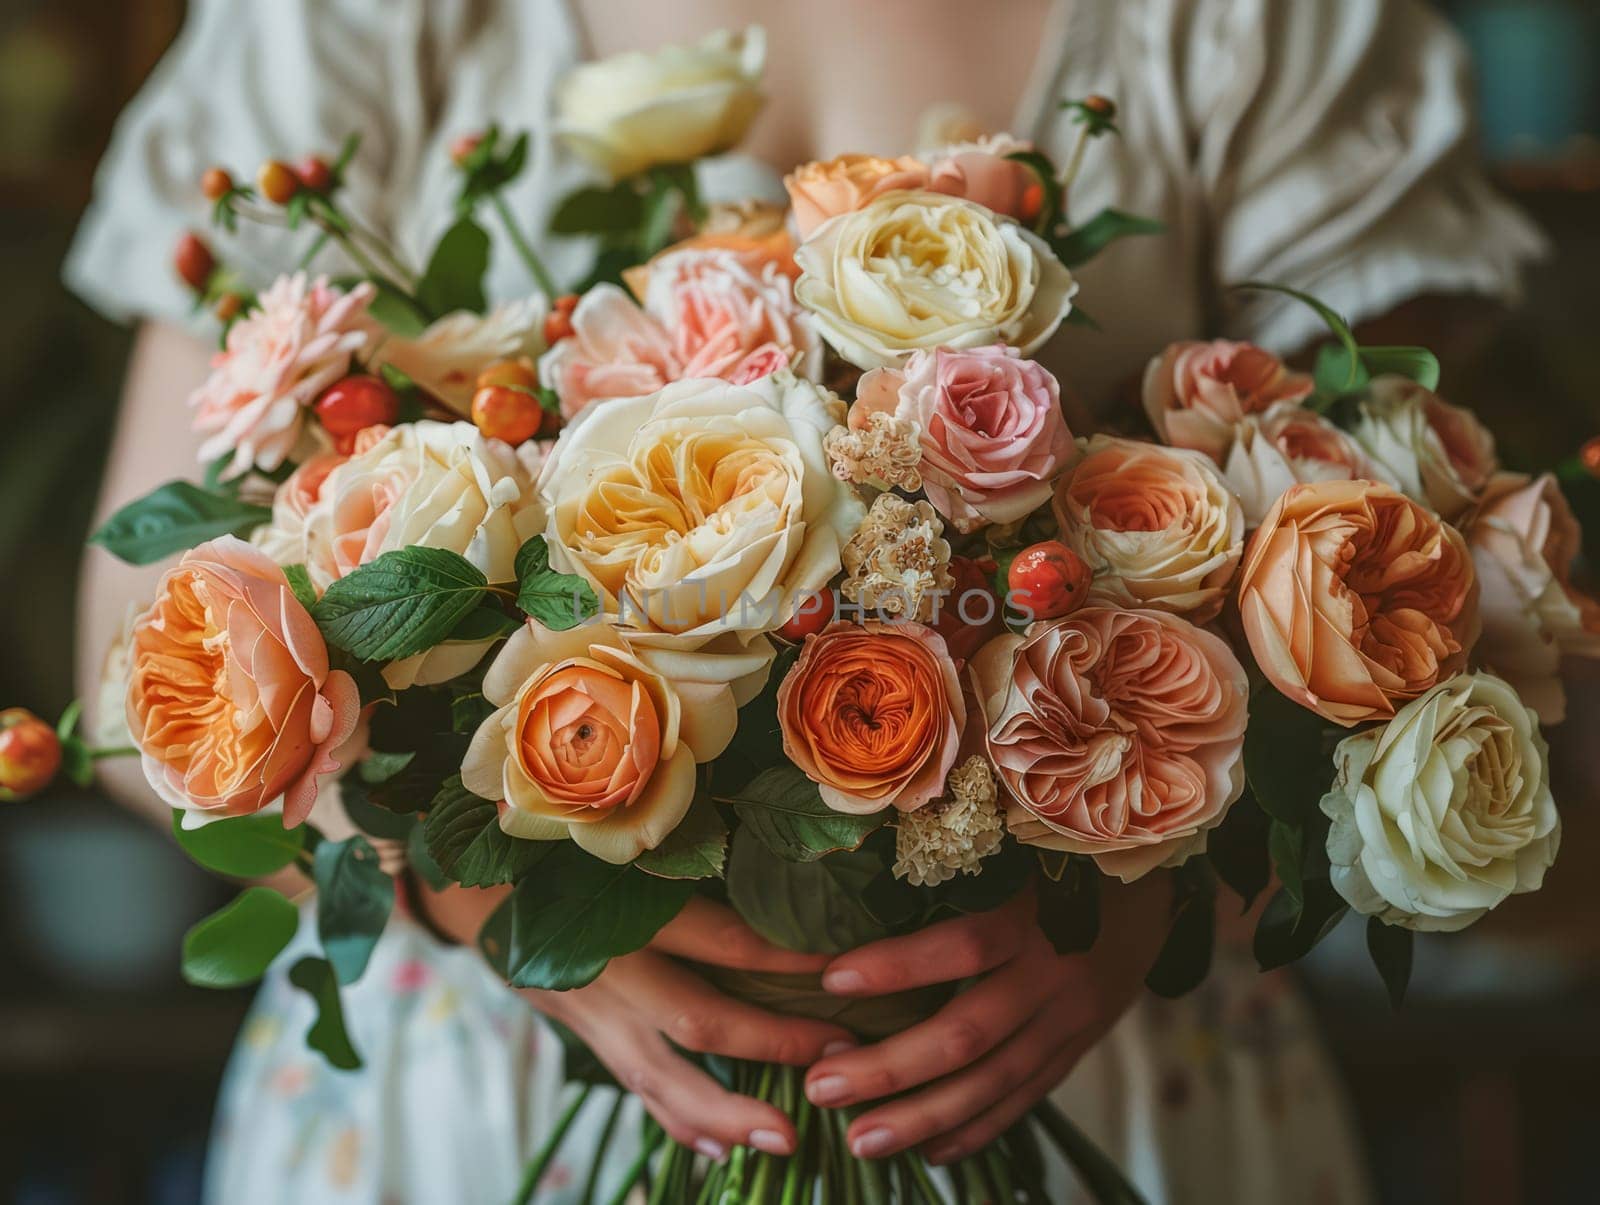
<point>802,1130</point>
<point>530,257</point>
<point>923,1181</point>
<point>114,751</point>
<point>593,1182</point>
<point>667,1173</point>
<point>972,1180</point>
<point>314,250</point>
<point>635,1173</point>
<point>530,1178</point>
<point>999,1174</point>
<point>1102,1177</point>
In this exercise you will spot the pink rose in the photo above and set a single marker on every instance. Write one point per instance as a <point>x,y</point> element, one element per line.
<point>989,426</point>
<point>706,313</point>
<point>1285,446</point>
<point>1194,393</point>
<point>298,340</point>
<point>1118,734</point>
<point>979,171</point>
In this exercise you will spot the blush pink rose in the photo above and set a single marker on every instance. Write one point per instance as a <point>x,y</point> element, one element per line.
<point>989,426</point>
<point>1285,446</point>
<point>1195,393</point>
<point>980,171</point>
<point>825,189</point>
<point>707,313</point>
<point>1117,734</point>
<point>298,340</point>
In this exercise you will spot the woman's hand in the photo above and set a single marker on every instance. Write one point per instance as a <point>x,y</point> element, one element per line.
<point>645,1003</point>
<point>987,1057</point>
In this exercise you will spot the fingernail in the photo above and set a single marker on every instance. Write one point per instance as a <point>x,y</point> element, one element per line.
<point>710,1149</point>
<point>837,1046</point>
<point>770,1141</point>
<point>873,1143</point>
<point>843,981</point>
<point>827,1089</point>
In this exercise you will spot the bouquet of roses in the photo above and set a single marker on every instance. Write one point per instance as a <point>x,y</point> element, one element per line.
<point>765,566</point>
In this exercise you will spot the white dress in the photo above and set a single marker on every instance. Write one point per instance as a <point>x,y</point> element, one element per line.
<point>1322,144</point>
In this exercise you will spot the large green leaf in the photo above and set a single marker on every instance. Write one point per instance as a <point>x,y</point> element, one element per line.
<point>1390,947</point>
<point>614,211</point>
<point>174,518</point>
<point>1288,928</point>
<point>557,600</point>
<point>560,927</point>
<point>696,849</point>
<point>1237,849</point>
<point>784,808</point>
<point>327,1035</point>
<point>819,907</point>
<point>1069,905</point>
<point>1283,756</point>
<point>1099,232</point>
<point>454,276</point>
<point>354,898</point>
<point>1185,956</point>
<point>403,603</point>
<point>463,836</point>
<point>235,945</point>
<point>246,847</point>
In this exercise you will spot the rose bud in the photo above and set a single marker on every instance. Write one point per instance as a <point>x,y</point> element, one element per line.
<point>315,173</point>
<point>503,412</point>
<point>193,261</point>
<point>518,373</point>
<point>971,614</point>
<point>1049,579</point>
<point>30,754</point>
<point>461,149</point>
<point>227,307</point>
<point>277,182</point>
<point>351,405</point>
<point>1103,105</point>
<point>558,322</point>
<point>216,184</point>
<point>814,613</point>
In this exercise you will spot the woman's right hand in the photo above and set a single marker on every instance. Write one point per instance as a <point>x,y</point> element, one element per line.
<point>643,1004</point>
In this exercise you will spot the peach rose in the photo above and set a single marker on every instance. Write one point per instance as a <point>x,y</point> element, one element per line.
<point>1157,526</point>
<point>230,698</point>
<point>1524,538</point>
<point>873,714</point>
<point>1356,599</point>
<point>980,171</point>
<point>753,231</point>
<point>822,190</point>
<point>1440,454</point>
<point>989,425</point>
<point>298,340</point>
<point>1194,393</point>
<point>590,743</point>
<point>446,358</point>
<point>284,539</point>
<point>1118,734</point>
<point>1289,444</point>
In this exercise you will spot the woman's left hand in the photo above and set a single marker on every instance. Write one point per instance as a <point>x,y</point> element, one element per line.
<point>1000,1045</point>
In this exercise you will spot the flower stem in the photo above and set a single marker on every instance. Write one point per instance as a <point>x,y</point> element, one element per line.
<point>114,751</point>
<point>530,1178</point>
<point>601,1150</point>
<point>524,249</point>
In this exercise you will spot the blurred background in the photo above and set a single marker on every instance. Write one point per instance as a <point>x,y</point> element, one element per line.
<point>1479,1091</point>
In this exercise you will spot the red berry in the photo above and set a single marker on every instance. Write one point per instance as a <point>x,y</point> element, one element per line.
<point>216,184</point>
<point>462,147</point>
<point>315,173</point>
<point>30,753</point>
<point>815,612</point>
<point>971,614</point>
<point>193,261</point>
<point>351,405</point>
<point>277,182</point>
<point>518,373</point>
<point>1048,579</point>
<point>502,412</point>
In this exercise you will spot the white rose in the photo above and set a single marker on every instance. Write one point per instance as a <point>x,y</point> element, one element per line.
<point>446,358</point>
<point>636,110</point>
<point>1440,454</point>
<point>912,271</point>
<point>1444,811</point>
<point>702,514</point>
<point>1288,445</point>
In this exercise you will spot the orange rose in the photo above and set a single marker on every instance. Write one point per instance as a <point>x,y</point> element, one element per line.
<point>230,698</point>
<point>754,231</point>
<point>590,743</point>
<point>1356,599</point>
<point>822,190</point>
<point>873,715</point>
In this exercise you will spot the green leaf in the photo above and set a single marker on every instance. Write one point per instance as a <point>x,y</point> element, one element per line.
<point>488,622</point>
<point>300,583</point>
<point>696,849</point>
<point>403,603</point>
<point>68,723</point>
<point>347,153</point>
<point>469,710</point>
<point>381,767</point>
<point>1334,321</point>
<point>1078,316</point>
<point>1044,171</point>
<point>371,818</point>
<point>1069,906</point>
<point>1237,849</point>
<point>77,763</point>
<point>327,1034</point>
<point>454,276</point>
<point>1283,756</point>
<point>397,311</point>
<point>234,945</point>
<point>174,518</point>
<point>661,209</point>
<point>354,898</point>
<point>1333,376</point>
<point>557,600</point>
<point>617,210</point>
<point>463,836</point>
<point>421,860</point>
<point>246,847</point>
<point>785,810</point>
<point>1185,958</point>
<point>1288,930</point>
<point>1390,947</point>
<point>816,906</point>
<point>1099,232</point>
<point>1418,363</point>
<point>559,928</point>
<point>1286,848</point>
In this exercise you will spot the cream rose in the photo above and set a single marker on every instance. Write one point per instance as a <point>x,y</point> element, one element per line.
<point>1440,454</point>
<point>702,514</point>
<point>1157,526</point>
<point>1285,446</point>
<point>447,357</point>
<point>912,271</point>
<point>634,111</point>
<point>1524,538</point>
<point>1445,811</point>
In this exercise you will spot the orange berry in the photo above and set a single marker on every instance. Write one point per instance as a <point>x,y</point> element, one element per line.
<point>1032,201</point>
<point>1102,105</point>
<point>216,184</point>
<point>227,307</point>
<point>193,261</point>
<point>557,326</point>
<point>518,373</point>
<point>567,302</point>
<point>1589,454</point>
<point>815,612</point>
<point>315,173</point>
<point>463,146</point>
<point>30,753</point>
<point>502,412</point>
<point>354,403</point>
<point>1048,579</point>
<point>277,182</point>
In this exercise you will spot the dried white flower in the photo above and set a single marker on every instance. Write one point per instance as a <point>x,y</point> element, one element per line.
<point>898,562</point>
<point>955,834</point>
<point>886,452</point>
